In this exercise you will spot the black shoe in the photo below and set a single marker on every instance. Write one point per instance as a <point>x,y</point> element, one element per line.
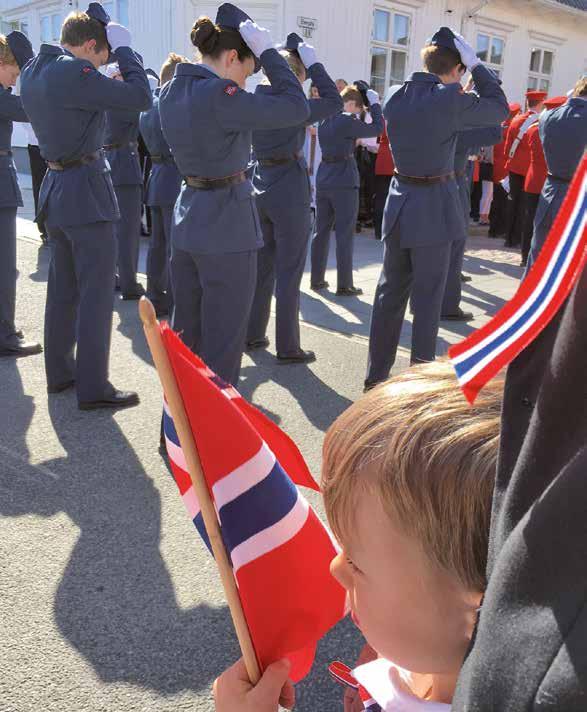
<point>60,387</point>
<point>369,385</point>
<point>524,262</point>
<point>348,291</point>
<point>136,293</point>
<point>465,277</point>
<point>459,315</point>
<point>257,344</point>
<point>300,357</point>
<point>317,286</point>
<point>17,346</point>
<point>117,399</point>
<point>44,240</point>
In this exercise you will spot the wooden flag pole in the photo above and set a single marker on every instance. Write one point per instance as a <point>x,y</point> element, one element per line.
<point>184,432</point>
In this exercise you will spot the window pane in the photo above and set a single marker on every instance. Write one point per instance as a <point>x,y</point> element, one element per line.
<point>378,69</point>
<point>398,67</point>
<point>24,27</point>
<point>123,12</point>
<point>46,29</point>
<point>381,26</point>
<point>546,62</point>
<point>535,60</point>
<point>109,7</point>
<point>482,47</point>
<point>532,83</point>
<point>496,51</point>
<point>56,27</point>
<point>544,85</point>
<point>401,29</point>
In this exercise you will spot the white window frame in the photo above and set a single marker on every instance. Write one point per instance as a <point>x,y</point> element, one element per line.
<point>498,68</point>
<point>539,76</point>
<point>51,12</point>
<point>390,46</point>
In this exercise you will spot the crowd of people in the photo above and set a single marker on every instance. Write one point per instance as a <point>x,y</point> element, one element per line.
<point>409,469</point>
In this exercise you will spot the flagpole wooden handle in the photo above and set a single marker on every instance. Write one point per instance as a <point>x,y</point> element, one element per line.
<point>186,439</point>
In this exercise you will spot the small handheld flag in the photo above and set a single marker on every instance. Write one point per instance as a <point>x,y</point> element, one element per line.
<point>486,351</point>
<point>278,551</point>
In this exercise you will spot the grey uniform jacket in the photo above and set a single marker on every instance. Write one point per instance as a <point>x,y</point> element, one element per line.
<point>122,126</point>
<point>424,119</point>
<point>208,123</point>
<point>290,181</point>
<point>10,110</point>
<point>164,181</point>
<point>66,99</point>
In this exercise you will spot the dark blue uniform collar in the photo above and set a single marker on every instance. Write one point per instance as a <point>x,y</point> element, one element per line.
<point>263,88</point>
<point>424,77</point>
<point>195,70</point>
<point>53,49</point>
<point>577,101</point>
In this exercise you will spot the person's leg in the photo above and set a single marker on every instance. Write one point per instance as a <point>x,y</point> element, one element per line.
<point>292,232</point>
<point>452,294</point>
<point>321,238</point>
<point>128,232</point>
<point>157,261</point>
<point>430,269</point>
<point>38,170</point>
<point>167,216</point>
<point>94,256</point>
<point>8,273</point>
<point>530,205</point>
<point>389,308</point>
<point>261,308</point>
<point>346,207</point>
<point>497,214</point>
<point>228,288</point>
<point>486,199</point>
<point>516,214</point>
<point>187,299</point>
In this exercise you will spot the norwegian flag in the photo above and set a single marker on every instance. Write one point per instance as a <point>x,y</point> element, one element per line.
<point>540,295</point>
<point>279,549</point>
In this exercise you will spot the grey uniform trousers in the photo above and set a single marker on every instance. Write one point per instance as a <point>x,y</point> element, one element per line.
<point>280,266</point>
<point>452,293</point>
<point>212,296</point>
<point>80,299</point>
<point>338,209</point>
<point>8,272</point>
<point>423,272</point>
<point>159,255</point>
<point>128,234</point>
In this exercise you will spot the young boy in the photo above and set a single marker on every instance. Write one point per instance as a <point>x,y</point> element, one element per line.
<point>407,482</point>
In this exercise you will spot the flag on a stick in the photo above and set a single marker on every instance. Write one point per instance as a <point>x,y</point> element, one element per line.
<point>279,550</point>
<point>549,282</point>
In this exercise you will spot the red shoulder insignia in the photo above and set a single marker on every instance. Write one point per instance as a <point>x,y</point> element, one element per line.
<point>230,89</point>
<point>87,70</point>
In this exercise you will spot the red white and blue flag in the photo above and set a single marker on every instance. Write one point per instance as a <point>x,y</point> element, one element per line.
<point>279,549</point>
<point>549,282</point>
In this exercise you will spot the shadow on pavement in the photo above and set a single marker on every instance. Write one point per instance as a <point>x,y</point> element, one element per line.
<point>42,267</point>
<point>115,603</point>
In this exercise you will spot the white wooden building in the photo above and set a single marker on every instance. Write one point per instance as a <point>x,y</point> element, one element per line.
<point>531,43</point>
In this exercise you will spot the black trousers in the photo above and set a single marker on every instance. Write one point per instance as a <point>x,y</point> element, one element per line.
<point>476,192</point>
<point>516,211</point>
<point>38,170</point>
<point>498,215</point>
<point>366,163</point>
<point>381,191</point>
<point>530,205</point>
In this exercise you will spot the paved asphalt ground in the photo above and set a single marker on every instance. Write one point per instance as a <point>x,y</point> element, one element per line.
<point>108,600</point>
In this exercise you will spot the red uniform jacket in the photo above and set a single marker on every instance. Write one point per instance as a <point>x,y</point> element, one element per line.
<point>499,171</point>
<point>384,165</point>
<point>521,161</point>
<point>537,171</point>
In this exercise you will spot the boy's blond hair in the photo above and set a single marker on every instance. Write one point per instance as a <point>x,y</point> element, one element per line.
<point>6,56</point>
<point>169,65</point>
<point>432,459</point>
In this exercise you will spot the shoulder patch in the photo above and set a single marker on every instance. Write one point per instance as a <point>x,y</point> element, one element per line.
<point>88,70</point>
<point>230,89</point>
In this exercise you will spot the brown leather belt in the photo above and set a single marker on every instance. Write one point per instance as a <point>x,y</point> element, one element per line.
<point>156,158</point>
<point>66,165</point>
<point>114,146</point>
<point>425,180</point>
<point>337,159</point>
<point>562,180</point>
<point>215,183</point>
<point>5,153</point>
<point>280,161</point>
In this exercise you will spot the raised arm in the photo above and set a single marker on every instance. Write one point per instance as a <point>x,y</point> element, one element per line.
<point>330,101</point>
<point>359,129</point>
<point>239,110</point>
<point>486,136</point>
<point>11,107</point>
<point>488,108</point>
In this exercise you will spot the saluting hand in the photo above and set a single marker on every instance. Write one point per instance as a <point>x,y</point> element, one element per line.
<point>468,54</point>
<point>307,54</point>
<point>257,38</point>
<point>118,36</point>
<point>373,96</point>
